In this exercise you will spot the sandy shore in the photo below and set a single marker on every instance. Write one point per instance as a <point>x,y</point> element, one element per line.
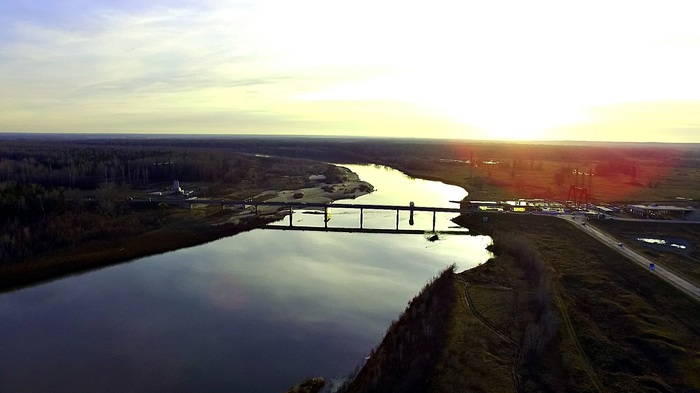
<point>351,188</point>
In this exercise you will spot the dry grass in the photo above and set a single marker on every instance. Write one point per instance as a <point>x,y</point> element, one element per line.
<point>684,263</point>
<point>656,181</point>
<point>498,305</point>
<point>637,333</point>
<point>474,359</point>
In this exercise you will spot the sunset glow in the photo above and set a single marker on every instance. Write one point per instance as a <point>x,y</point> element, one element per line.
<point>542,70</point>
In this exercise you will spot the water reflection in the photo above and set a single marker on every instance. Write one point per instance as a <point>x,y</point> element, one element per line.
<point>678,244</point>
<point>256,312</point>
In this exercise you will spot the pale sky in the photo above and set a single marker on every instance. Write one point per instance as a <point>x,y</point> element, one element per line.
<point>536,70</point>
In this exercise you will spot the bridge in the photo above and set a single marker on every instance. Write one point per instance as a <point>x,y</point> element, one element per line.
<point>290,206</point>
<point>361,230</point>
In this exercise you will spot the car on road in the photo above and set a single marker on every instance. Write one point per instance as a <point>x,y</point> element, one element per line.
<point>619,244</point>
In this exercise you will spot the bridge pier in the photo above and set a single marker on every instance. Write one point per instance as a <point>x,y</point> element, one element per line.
<point>281,206</point>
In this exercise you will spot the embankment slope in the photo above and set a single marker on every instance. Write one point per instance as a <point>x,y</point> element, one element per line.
<point>580,319</point>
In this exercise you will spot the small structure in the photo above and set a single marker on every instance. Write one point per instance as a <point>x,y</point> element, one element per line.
<point>177,190</point>
<point>656,211</point>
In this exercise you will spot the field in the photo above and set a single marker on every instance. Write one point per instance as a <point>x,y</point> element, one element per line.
<point>619,327</point>
<point>683,262</point>
<point>552,179</point>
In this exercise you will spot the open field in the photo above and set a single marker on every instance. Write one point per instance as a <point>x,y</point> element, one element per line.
<point>618,324</point>
<point>552,180</point>
<point>683,262</point>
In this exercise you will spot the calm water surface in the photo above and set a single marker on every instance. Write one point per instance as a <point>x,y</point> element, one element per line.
<point>256,312</point>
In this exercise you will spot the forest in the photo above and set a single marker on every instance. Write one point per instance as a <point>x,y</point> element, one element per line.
<point>56,194</point>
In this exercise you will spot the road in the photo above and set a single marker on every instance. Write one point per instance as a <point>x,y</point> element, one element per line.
<point>685,286</point>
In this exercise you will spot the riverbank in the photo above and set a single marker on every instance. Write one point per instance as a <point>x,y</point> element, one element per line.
<point>350,188</point>
<point>619,327</point>
<point>179,228</point>
<point>587,321</point>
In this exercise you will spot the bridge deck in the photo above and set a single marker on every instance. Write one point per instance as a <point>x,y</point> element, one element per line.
<point>290,206</point>
<point>361,230</point>
<point>306,205</point>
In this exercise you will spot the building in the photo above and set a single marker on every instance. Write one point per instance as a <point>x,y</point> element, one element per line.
<point>658,211</point>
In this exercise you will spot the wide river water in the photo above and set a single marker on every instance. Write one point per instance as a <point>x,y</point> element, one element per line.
<point>255,312</point>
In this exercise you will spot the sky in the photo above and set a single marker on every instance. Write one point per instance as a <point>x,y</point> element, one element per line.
<point>611,70</point>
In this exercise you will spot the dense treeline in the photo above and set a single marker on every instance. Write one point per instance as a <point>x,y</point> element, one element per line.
<point>413,150</point>
<point>61,193</point>
<point>542,326</point>
<point>35,219</point>
<point>85,166</point>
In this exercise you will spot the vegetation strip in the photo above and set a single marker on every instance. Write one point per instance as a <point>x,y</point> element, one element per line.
<point>638,334</point>
<point>590,370</point>
<point>516,361</point>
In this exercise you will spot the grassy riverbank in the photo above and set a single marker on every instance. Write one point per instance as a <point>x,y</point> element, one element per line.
<point>552,311</point>
<point>621,328</point>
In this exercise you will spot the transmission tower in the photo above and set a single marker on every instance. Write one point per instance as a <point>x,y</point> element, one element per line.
<point>580,190</point>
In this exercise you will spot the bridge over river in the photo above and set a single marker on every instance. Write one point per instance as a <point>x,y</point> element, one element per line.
<point>291,206</point>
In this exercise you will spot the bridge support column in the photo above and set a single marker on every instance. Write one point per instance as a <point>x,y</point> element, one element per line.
<point>434,212</point>
<point>410,219</point>
<point>361,211</point>
<point>290,216</point>
<point>397,219</point>
<point>325,216</point>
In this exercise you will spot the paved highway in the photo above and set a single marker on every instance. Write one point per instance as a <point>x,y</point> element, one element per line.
<point>692,290</point>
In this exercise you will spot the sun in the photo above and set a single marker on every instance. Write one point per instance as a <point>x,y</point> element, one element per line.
<point>509,120</point>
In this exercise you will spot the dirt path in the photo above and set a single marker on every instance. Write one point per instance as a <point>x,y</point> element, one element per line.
<point>572,333</point>
<point>516,357</point>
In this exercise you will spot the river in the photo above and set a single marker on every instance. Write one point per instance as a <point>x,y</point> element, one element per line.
<point>255,312</point>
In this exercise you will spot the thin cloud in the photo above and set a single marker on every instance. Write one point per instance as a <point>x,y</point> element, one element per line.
<point>504,69</point>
